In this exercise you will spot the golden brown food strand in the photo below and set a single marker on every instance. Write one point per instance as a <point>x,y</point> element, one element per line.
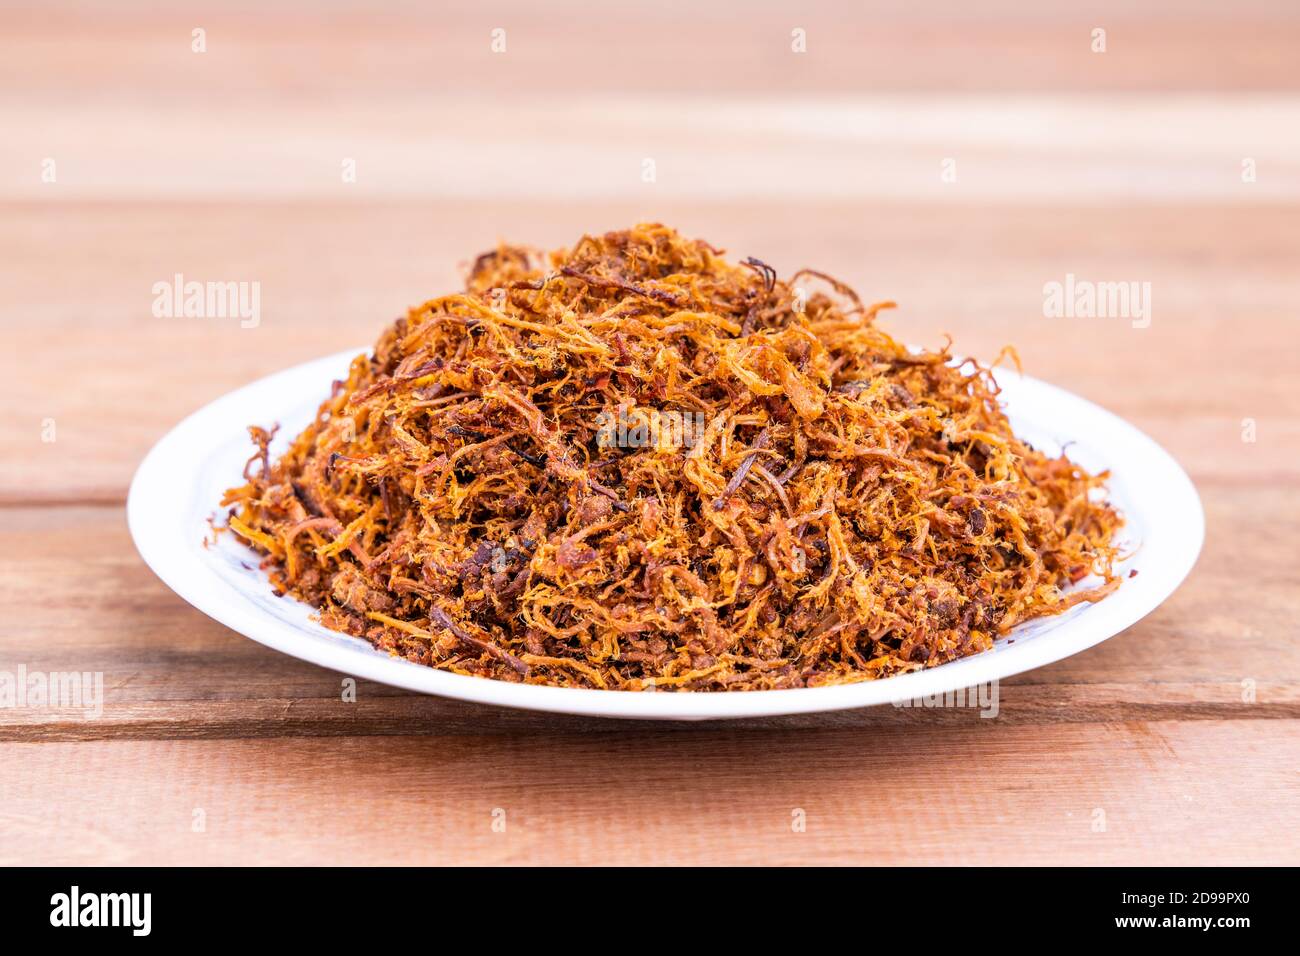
<point>803,501</point>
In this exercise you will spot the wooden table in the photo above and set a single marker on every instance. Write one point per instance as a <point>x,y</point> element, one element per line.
<point>1175,742</point>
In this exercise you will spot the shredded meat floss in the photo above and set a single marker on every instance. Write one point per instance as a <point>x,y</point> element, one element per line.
<point>633,465</point>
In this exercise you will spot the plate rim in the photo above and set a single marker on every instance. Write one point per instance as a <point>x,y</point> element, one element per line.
<point>363,661</point>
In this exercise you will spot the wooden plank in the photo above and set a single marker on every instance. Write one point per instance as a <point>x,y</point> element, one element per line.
<point>80,600</point>
<point>1006,148</point>
<point>1220,348</point>
<point>1164,793</point>
<point>294,51</point>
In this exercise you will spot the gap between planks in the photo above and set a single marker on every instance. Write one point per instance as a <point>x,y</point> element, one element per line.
<point>400,714</point>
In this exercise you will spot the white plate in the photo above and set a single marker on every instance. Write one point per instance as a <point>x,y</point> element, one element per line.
<point>180,481</point>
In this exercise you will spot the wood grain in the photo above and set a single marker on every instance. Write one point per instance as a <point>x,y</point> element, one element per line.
<point>1140,793</point>
<point>141,49</point>
<point>1176,742</point>
<point>1003,148</point>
